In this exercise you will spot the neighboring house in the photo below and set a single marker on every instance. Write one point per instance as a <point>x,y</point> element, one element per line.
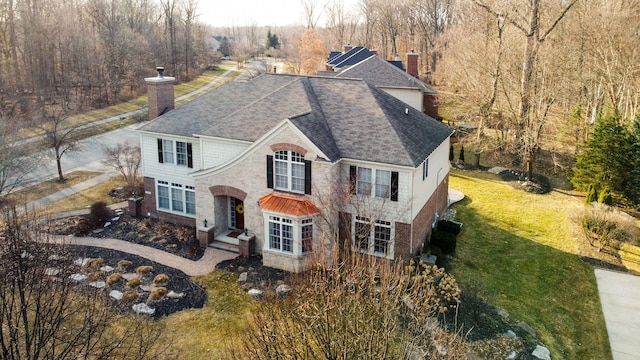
<point>298,162</point>
<point>362,63</point>
<point>214,42</point>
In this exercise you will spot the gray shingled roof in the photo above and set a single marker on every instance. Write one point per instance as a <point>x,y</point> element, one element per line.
<point>344,118</point>
<point>381,73</point>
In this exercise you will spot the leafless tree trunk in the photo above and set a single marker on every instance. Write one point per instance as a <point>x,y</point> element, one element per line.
<point>44,313</point>
<point>60,136</point>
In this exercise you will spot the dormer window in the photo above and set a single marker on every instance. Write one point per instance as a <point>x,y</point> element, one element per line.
<point>289,171</point>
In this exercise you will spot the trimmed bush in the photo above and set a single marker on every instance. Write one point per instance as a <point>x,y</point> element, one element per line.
<point>95,263</point>
<point>114,278</point>
<point>144,269</point>
<point>157,294</point>
<point>135,282</point>
<point>129,297</point>
<point>161,279</point>
<point>606,227</point>
<point>123,264</point>
<point>99,214</point>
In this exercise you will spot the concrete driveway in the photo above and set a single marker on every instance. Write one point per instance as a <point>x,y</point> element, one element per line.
<point>620,298</point>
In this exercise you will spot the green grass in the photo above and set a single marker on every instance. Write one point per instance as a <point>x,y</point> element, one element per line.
<point>519,247</point>
<point>207,333</point>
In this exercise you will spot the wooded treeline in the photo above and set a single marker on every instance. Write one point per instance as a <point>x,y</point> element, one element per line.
<point>84,54</point>
<point>539,72</point>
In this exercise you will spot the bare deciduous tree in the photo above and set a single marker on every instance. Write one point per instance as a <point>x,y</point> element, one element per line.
<point>45,315</point>
<point>60,136</point>
<point>125,158</point>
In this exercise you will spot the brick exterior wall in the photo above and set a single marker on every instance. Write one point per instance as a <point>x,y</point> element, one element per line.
<point>148,206</point>
<point>223,190</point>
<point>412,64</point>
<point>430,105</point>
<point>422,222</point>
<point>402,245</point>
<point>289,147</point>
<point>160,94</point>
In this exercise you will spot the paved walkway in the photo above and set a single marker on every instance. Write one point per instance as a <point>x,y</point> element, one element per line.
<point>620,299</point>
<point>205,265</point>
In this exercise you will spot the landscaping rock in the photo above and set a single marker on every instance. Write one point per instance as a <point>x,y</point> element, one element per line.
<point>106,268</point>
<point>117,295</point>
<point>524,326</point>
<point>503,313</point>
<point>52,271</point>
<point>242,277</point>
<point>511,334</point>
<point>129,276</point>
<point>54,257</point>
<point>255,293</point>
<point>81,261</point>
<point>541,353</point>
<point>174,295</point>
<point>78,277</point>
<point>143,308</point>
<point>146,288</point>
<point>511,356</point>
<point>98,284</point>
<point>497,170</point>
<point>283,289</point>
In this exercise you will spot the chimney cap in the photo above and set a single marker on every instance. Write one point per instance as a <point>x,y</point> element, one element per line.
<point>160,70</point>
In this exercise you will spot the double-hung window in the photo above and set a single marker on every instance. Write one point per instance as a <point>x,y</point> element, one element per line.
<point>374,182</point>
<point>280,234</point>
<point>175,152</point>
<point>289,235</point>
<point>372,237</point>
<point>289,171</point>
<point>176,198</point>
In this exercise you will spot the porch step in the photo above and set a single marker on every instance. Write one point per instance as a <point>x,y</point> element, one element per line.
<point>224,246</point>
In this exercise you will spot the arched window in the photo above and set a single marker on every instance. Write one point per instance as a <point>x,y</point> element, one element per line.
<point>289,171</point>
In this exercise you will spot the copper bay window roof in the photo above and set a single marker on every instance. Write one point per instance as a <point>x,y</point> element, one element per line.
<point>289,205</point>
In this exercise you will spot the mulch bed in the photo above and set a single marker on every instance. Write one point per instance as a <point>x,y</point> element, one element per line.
<point>194,295</point>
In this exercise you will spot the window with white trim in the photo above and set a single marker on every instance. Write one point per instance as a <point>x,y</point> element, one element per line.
<point>372,237</point>
<point>307,236</point>
<point>374,182</point>
<point>289,235</point>
<point>181,153</point>
<point>289,171</point>
<point>167,151</point>
<point>175,152</point>
<point>176,198</point>
<point>280,234</point>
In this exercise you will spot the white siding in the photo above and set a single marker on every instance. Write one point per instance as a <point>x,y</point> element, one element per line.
<point>384,209</point>
<point>216,152</point>
<point>151,167</point>
<point>438,170</point>
<point>413,97</point>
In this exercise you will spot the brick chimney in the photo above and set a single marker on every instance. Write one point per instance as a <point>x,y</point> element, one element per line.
<point>347,48</point>
<point>374,52</point>
<point>412,64</point>
<point>160,94</point>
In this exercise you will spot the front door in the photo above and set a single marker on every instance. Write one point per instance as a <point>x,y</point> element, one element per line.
<point>236,213</point>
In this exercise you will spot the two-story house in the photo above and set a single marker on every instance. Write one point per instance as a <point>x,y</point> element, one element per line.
<point>387,75</point>
<point>298,162</point>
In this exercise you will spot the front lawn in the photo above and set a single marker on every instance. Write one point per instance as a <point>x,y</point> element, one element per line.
<point>520,249</point>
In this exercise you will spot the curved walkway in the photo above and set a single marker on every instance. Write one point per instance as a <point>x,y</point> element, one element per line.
<point>205,265</point>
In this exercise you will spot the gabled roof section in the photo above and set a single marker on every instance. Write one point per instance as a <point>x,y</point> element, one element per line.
<point>381,73</point>
<point>344,118</point>
<point>351,57</point>
<point>289,205</point>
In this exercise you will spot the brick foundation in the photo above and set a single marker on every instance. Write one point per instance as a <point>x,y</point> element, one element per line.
<point>422,222</point>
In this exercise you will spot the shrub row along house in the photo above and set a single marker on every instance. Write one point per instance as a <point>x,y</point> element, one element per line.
<point>294,164</point>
